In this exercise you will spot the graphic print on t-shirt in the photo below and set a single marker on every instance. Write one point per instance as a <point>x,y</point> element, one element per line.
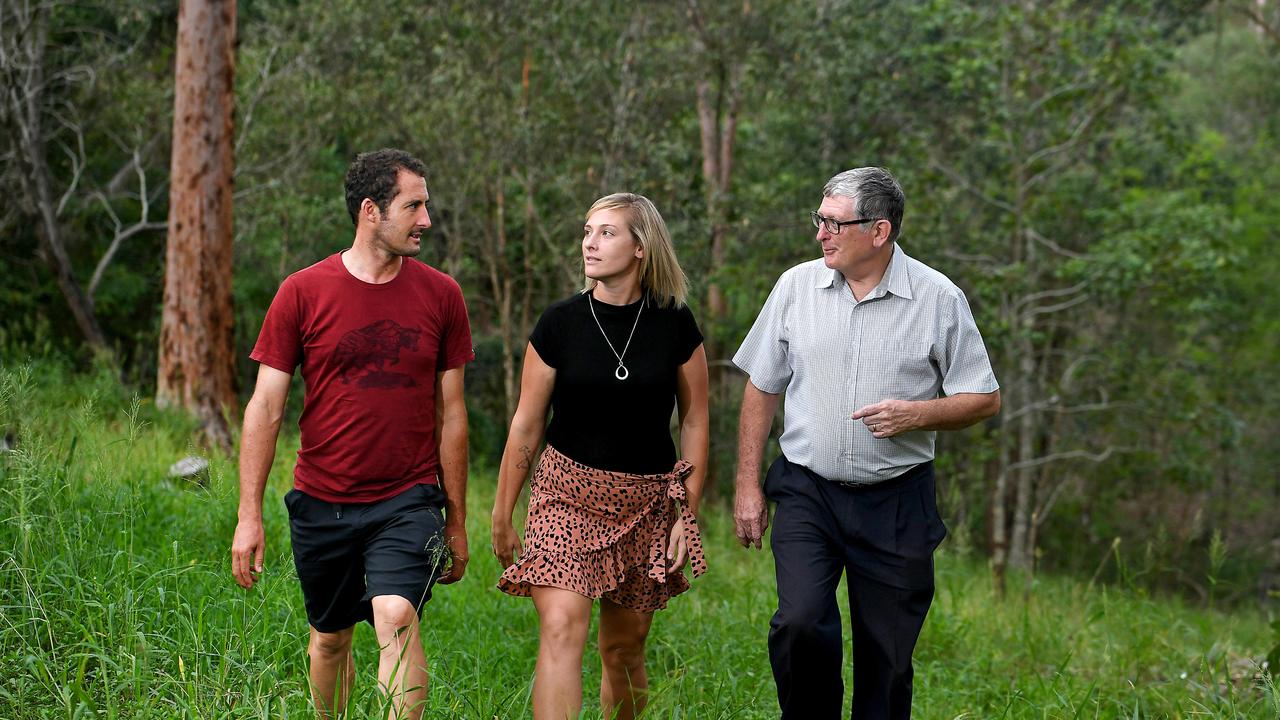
<point>363,355</point>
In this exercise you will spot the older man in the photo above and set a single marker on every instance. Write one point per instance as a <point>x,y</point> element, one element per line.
<point>875,352</point>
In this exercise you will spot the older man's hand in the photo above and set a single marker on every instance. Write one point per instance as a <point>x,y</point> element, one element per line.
<point>750,513</point>
<point>889,417</point>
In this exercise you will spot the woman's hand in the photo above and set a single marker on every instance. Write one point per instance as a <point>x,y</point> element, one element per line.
<point>677,548</point>
<point>506,544</point>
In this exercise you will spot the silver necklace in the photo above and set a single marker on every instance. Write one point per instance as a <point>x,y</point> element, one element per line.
<point>621,371</point>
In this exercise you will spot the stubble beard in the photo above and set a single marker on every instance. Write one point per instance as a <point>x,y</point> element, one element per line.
<point>387,241</point>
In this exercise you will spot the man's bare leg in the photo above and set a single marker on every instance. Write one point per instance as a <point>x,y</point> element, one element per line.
<point>402,668</point>
<point>330,655</point>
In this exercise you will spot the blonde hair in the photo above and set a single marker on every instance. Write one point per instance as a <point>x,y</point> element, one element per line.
<point>660,274</point>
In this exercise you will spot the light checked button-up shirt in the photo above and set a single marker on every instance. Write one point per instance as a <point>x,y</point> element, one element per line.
<point>913,337</point>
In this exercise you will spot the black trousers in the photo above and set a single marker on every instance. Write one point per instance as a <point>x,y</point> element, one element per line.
<point>883,536</point>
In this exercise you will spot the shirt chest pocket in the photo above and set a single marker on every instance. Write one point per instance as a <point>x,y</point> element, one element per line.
<point>905,368</point>
<point>821,349</point>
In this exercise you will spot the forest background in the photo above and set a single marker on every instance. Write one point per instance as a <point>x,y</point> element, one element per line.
<point>1100,178</point>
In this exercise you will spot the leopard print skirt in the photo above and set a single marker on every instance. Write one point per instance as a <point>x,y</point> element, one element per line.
<point>604,534</point>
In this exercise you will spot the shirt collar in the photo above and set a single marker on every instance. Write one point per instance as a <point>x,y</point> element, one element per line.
<point>896,280</point>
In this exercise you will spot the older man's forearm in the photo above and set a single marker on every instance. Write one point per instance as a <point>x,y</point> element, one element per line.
<point>958,411</point>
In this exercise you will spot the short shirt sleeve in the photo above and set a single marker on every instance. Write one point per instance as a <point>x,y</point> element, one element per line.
<point>456,348</point>
<point>763,353</point>
<point>280,340</point>
<point>688,337</point>
<point>545,337</point>
<point>965,367</point>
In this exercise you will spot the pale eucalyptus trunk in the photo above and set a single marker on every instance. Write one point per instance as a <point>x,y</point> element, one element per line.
<point>196,360</point>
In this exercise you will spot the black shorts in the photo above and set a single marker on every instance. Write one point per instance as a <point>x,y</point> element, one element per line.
<point>346,555</point>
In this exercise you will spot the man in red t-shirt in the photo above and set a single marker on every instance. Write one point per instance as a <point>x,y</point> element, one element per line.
<point>378,508</point>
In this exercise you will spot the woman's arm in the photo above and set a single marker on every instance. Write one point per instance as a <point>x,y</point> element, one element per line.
<point>691,398</point>
<point>527,428</point>
<point>695,433</point>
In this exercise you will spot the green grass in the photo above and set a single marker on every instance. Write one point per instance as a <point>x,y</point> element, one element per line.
<point>116,601</point>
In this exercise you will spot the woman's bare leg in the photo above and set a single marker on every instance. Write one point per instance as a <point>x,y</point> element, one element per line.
<point>563,619</point>
<point>624,685</point>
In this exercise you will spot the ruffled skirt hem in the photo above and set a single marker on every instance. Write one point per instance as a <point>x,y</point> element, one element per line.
<point>595,575</point>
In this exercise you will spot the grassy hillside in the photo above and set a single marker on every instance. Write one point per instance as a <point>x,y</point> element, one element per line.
<point>118,602</point>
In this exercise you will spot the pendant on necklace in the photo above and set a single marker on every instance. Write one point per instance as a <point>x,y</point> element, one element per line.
<point>621,371</point>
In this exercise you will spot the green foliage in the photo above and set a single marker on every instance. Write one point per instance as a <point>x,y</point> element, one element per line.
<point>1125,149</point>
<point>118,602</point>
<point>100,64</point>
<point>1273,657</point>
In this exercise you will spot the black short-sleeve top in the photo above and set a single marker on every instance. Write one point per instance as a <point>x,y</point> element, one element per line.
<point>597,419</point>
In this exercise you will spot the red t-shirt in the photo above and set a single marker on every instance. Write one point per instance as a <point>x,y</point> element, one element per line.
<point>369,356</point>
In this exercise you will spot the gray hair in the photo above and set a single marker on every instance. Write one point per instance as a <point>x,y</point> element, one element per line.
<point>875,194</point>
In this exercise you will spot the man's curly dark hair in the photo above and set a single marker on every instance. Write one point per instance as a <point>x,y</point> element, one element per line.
<point>373,175</point>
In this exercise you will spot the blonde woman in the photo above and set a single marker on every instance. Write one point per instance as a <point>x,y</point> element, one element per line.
<point>612,507</point>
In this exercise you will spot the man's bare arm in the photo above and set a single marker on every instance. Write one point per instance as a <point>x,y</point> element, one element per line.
<point>262,417</point>
<point>750,510</point>
<point>451,429</point>
<point>892,417</point>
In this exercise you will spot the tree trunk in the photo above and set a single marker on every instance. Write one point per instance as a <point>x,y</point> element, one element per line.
<point>526,295</point>
<point>505,291</point>
<point>718,100</point>
<point>197,362</point>
<point>502,290</point>
<point>1026,433</point>
<point>30,121</point>
<point>719,176</point>
<point>1025,380</point>
<point>718,119</point>
<point>999,517</point>
<point>54,253</point>
<point>709,122</point>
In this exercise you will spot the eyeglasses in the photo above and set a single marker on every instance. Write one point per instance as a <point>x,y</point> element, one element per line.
<point>832,225</point>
